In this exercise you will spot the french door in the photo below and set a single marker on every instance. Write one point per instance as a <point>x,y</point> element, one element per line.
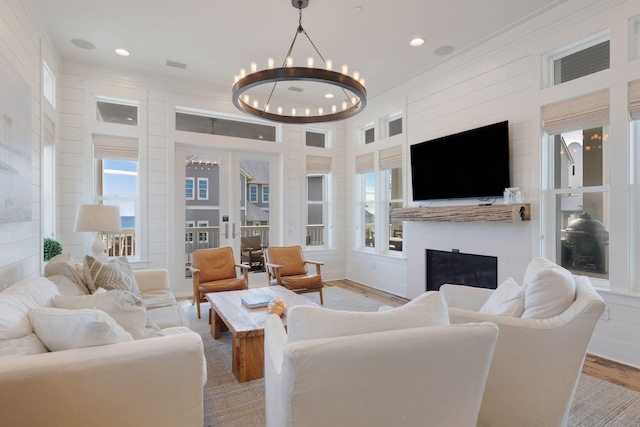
<point>224,195</point>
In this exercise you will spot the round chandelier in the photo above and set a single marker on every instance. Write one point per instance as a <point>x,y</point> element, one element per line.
<point>351,99</point>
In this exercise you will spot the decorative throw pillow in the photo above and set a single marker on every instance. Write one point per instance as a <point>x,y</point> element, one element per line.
<point>124,307</point>
<point>64,265</point>
<point>110,274</point>
<point>67,287</point>
<point>18,300</point>
<point>506,300</point>
<point>61,329</point>
<point>550,289</point>
<point>308,322</point>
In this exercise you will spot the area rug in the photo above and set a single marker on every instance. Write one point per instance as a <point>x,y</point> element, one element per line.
<point>228,403</point>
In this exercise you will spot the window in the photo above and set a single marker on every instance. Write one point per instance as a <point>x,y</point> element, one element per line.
<point>578,182</point>
<point>253,193</point>
<point>189,189</point>
<point>119,179</point>
<point>203,188</point>
<point>48,84</point>
<point>317,210</point>
<point>316,139</point>
<point>118,112</point>
<point>390,160</point>
<point>188,237</point>
<point>265,194</point>
<point>394,126</point>
<point>203,236</point>
<point>579,59</point>
<point>368,213</point>
<point>369,134</point>
<point>117,183</point>
<point>226,127</point>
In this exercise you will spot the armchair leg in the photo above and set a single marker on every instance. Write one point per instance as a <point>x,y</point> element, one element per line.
<point>321,299</point>
<point>198,304</point>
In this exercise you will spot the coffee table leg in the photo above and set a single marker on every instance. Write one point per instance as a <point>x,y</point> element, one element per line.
<point>248,357</point>
<point>217,326</point>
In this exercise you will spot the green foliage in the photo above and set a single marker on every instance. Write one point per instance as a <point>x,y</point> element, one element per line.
<point>51,248</point>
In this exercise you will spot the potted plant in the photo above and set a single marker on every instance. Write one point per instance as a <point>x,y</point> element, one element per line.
<point>51,248</point>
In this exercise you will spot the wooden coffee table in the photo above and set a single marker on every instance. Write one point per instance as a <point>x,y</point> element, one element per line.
<point>247,326</point>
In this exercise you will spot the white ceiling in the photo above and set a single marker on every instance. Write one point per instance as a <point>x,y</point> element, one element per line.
<point>217,38</point>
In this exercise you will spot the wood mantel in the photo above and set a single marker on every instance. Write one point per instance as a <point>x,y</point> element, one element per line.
<point>493,213</point>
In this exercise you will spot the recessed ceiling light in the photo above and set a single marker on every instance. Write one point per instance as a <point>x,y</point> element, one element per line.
<point>357,9</point>
<point>83,44</point>
<point>328,95</point>
<point>418,41</point>
<point>122,52</point>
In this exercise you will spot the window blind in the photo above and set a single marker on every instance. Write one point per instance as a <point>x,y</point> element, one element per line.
<point>318,164</point>
<point>391,158</point>
<point>583,112</point>
<point>364,163</point>
<point>634,100</point>
<point>115,147</point>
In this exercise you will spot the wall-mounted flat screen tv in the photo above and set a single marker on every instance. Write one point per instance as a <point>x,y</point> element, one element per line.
<point>470,164</point>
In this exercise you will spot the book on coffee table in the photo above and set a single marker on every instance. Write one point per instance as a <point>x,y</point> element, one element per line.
<point>256,301</point>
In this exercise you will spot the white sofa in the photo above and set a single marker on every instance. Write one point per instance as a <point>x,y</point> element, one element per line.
<point>405,366</point>
<point>146,382</point>
<point>537,361</point>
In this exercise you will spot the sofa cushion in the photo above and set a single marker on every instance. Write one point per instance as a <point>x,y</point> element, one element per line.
<point>124,307</point>
<point>66,287</point>
<point>61,329</point>
<point>18,300</point>
<point>65,265</point>
<point>506,300</point>
<point>309,322</point>
<point>23,346</point>
<point>550,289</point>
<point>158,298</point>
<point>115,273</point>
<point>170,316</point>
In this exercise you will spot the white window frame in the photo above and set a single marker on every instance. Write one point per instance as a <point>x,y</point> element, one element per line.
<point>193,188</point>
<point>385,207</point>
<point>48,84</point>
<point>363,132</point>
<point>361,203</point>
<point>325,203</point>
<point>203,236</point>
<point>549,58</point>
<point>327,140</point>
<point>206,189</point>
<point>189,236</point>
<point>387,122</point>
<point>253,196</point>
<point>265,193</point>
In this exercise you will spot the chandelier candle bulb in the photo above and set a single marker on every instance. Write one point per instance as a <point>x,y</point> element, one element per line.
<point>266,108</point>
<point>320,111</point>
<point>270,63</point>
<point>289,61</point>
<point>329,64</point>
<point>293,111</point>
<point>235,79</point>
<point>310,62</point>
<point>255,103</point>
<point>344,105</point>
<point>356,75</point>
<point>307,111</point>
<point>345,69</point>
<point>246,99</point>
<point>254,68</point>
<point>334,108</point>
<point>243,73</point>
<point>280,110</point>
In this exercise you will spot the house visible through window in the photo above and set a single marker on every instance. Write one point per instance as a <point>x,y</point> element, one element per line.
<point>265,194</point>
<point>203,189</point>
<point>317,208</point>
<point>253,193</point>
<point>189,189</point>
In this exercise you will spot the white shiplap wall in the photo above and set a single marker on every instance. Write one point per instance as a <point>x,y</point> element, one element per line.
<point>20,243</point>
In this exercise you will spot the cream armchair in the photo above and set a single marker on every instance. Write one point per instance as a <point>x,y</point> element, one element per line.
<point>395,374</point>
<point>537,362</point>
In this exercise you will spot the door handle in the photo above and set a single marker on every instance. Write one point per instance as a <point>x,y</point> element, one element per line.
<point>233,230</point>
<point>226,230</point>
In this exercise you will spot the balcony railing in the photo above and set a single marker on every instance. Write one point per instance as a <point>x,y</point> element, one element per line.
<point>122,243</point>
<point>315,235</point>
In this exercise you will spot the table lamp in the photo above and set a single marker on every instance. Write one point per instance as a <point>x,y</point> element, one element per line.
<point>98,219</point>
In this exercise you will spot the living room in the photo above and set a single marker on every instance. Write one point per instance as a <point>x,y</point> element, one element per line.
<point>502,78</point>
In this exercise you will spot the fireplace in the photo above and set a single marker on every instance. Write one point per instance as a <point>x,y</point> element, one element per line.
<point>465,269</point>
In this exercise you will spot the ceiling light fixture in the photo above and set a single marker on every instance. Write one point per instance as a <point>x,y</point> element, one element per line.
<point>418,41</point>
<point>122,52</point>
<point>355,94</point>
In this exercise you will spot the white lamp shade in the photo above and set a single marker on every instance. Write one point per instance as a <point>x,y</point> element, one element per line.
<point>101,218</point>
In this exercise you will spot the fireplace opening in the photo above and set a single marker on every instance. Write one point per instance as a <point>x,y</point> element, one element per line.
<point>480,271</point>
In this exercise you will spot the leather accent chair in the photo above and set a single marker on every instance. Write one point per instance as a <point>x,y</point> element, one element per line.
<point>287,267</point>
<point>251,251</point>
<point>214,270</point>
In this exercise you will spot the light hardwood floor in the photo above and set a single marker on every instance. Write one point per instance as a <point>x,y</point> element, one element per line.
<point>594,366</point>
